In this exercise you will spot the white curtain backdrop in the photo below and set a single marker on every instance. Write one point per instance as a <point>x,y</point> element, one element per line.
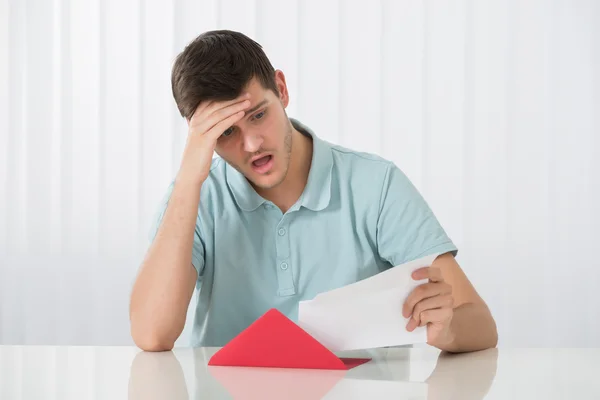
<point>492,108</point>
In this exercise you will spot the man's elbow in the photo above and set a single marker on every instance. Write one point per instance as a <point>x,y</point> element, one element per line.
<point>149,341</point>
<point>494,341</point>
<point>149,344</point>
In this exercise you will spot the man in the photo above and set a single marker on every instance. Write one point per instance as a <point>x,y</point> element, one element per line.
<point>281,216</point>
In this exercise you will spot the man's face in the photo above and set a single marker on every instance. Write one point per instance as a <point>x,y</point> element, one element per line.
<point>259,146</point>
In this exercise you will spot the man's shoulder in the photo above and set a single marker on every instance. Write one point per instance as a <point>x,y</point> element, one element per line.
<point>361,166</point>
<point>352,157</point>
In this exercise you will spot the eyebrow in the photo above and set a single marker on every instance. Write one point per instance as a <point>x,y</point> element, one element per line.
<point>256,107</point>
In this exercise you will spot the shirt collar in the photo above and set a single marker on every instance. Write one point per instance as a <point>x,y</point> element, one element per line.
<point>316,194</point>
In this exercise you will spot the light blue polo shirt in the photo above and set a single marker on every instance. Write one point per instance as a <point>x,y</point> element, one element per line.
<point>358,215</point>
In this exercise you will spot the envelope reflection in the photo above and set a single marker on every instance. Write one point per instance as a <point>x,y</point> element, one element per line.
<point>276,383</point>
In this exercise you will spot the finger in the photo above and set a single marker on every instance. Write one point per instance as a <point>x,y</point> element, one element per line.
<point>202,115</point>
<point>219,105</point>
<point>412,325</point>
<point>422,292</point>
<point>225,124</point>
<point>432,273</point>
<point>421,273</point>
<point>206,108</point>
<point>432,303</point>
<point>435,316</point>
<point>199,109</point>
<point>218,116</point>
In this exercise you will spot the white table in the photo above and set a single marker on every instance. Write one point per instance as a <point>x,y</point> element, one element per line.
<point>399,373</point>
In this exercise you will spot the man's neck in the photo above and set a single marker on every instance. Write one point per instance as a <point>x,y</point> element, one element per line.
<point>288,192</point>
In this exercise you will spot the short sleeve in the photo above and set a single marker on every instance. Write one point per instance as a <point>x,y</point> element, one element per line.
<point>198,246</point>
<point>407,229</point>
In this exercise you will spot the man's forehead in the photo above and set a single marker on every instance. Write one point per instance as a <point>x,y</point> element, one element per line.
<point>255,105</point>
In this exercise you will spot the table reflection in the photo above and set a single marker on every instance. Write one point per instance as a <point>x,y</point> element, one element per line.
<point>161,376</point>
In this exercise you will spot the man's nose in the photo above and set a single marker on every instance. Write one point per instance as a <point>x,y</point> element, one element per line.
<point>252,142</point>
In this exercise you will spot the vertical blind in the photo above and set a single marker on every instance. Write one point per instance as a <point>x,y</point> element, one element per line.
<point>490,107</point>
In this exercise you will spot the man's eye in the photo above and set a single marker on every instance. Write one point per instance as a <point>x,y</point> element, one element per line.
<point>259,115</point>
<point>228,131</point>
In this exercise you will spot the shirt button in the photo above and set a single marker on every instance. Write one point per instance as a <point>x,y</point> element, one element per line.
<point>283,266</point>
<point>281,232</point>
<point>268,206</point>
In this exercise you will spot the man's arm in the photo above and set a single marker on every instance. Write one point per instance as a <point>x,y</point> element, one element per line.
<point>457,318</point>
<point>166,280</point>
<point>472,326</point>
<point>164,286</point>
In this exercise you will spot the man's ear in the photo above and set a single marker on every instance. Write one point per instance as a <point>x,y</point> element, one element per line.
<point>284,96</point>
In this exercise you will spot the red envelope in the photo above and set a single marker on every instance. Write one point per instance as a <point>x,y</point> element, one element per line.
<point>273,340</point>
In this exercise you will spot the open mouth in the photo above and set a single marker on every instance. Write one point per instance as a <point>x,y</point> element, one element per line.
<point>262,164</point>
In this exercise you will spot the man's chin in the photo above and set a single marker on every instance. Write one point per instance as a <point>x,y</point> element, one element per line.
<point>265,182</point>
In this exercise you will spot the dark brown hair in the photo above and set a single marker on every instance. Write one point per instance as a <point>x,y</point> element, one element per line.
<point>217,65</point>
